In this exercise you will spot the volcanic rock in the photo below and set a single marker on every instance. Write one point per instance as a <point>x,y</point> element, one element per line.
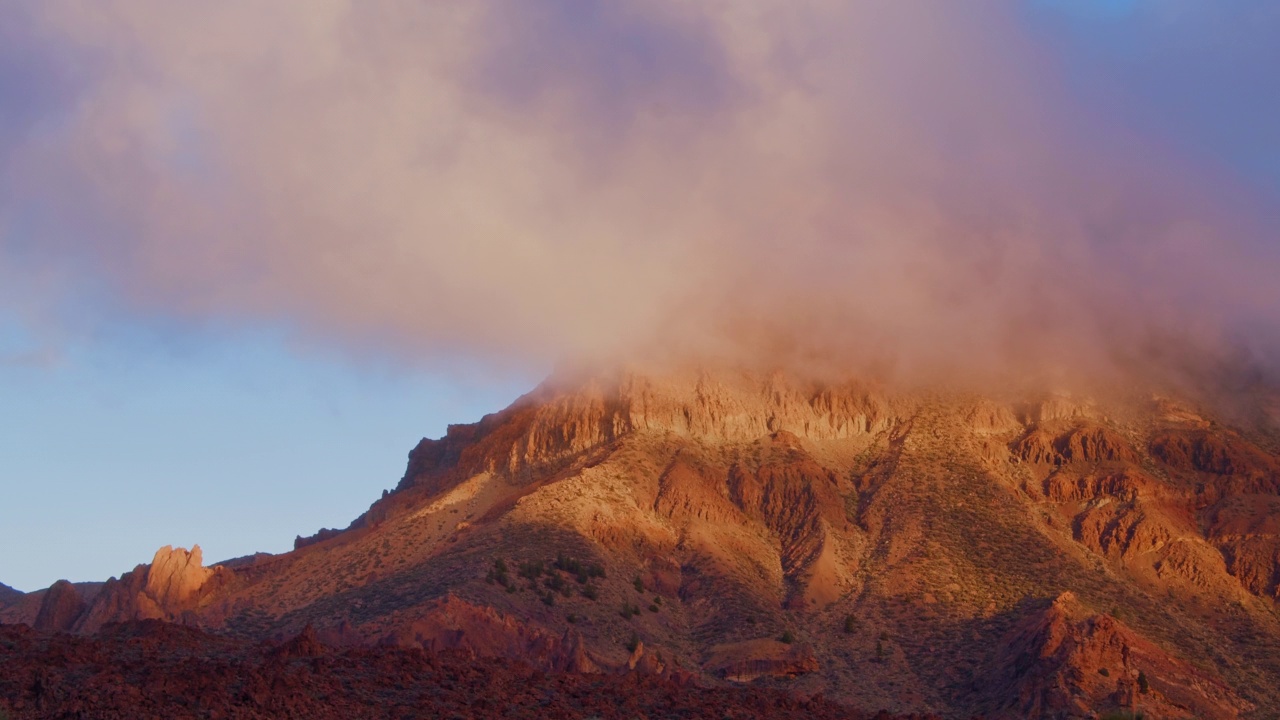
<point>1067,662</point>
<point>60,608</point>
<point>909,539</point>
<point>751,659</point>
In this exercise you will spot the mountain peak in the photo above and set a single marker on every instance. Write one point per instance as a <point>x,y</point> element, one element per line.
<point>830,535</point>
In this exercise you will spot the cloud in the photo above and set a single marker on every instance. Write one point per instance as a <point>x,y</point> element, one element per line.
<point>915,185</point>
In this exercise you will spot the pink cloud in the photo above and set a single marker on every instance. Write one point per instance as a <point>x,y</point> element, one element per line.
<point>898,184</point>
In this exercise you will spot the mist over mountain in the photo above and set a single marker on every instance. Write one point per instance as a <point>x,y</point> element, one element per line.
<point>986,191</point>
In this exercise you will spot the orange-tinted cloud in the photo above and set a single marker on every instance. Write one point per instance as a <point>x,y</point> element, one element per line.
<point>916,185</point>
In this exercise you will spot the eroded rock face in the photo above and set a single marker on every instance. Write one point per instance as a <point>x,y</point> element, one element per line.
<point>176,576</point>
<point>172,585</point>
<point>1219,454</point>
<point>453,624</point>
<point>751,659</point>
<point>1067,662</point>
<point>8,595</point>
<point>553,424</point>
<point>1084,443</point>
<point>899,536</point>
<point>61,608</point>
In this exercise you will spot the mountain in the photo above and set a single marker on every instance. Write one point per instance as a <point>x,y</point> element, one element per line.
<point>930,551</point>
<point>9,596</point>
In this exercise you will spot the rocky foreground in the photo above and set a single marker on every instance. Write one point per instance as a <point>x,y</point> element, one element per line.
<point>152,669</point>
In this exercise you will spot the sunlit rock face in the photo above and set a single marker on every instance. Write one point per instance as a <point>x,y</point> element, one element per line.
<point>170,588</point>
<point>920,549</point>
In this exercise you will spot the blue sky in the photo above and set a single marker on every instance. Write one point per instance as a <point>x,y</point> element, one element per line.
<point>113,447</point>
<point>249,257</point>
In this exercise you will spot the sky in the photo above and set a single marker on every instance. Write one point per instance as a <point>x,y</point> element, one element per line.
<point>250,253</point>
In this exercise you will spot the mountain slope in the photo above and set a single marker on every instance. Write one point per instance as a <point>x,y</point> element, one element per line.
<point>906,550</point>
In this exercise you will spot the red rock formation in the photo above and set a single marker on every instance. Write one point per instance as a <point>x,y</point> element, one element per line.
<point>751,659</point>
<point>172,585</point>
<point>61,608</point>
<point>1086,443</point>
<point>899,535</point>
<point>1067,663</point>
<point>8,595</point>
<point>551,424</point>
<point>453,624</point>
<point>1218,453</point>
<point>156,670</point>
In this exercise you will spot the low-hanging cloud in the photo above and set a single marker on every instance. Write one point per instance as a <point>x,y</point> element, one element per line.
<point>931,186</point>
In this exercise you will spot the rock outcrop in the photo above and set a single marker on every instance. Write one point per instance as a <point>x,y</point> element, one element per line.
<point>61,608</point>
<point>453,624</point>
<point>762,658</point>
<point>553,424</point>
<point>171,586</point>
<point>1067,662</point>
<point>9,596</point>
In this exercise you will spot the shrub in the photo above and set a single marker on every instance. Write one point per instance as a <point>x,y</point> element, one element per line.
<point>850,624</point>
<point>639,584</point>
<point>589,592</point>
<point>1143,685</point>
<point>787,637</point>
<point>633,643</point>
<point>654,608</point>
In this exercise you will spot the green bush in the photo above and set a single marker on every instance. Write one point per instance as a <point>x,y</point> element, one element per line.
<point>787,637</point>
<point>555,582</point>
<point>532,569</point>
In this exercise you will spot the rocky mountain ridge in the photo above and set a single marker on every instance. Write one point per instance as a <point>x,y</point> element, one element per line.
<point>931,551</point>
